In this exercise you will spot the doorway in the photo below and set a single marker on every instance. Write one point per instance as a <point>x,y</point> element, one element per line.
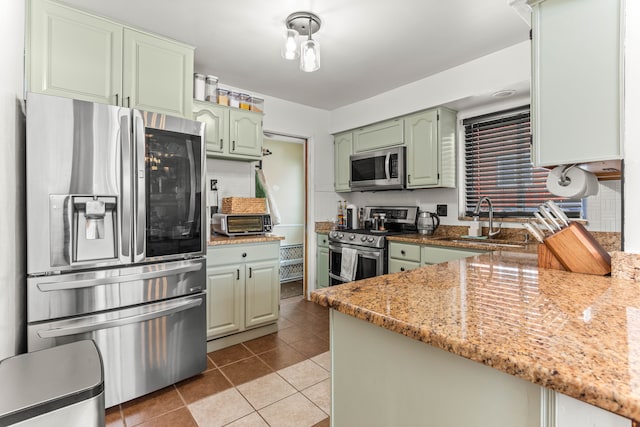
<point>284,175</point>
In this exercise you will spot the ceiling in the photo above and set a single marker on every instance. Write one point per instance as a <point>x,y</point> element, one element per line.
<point>367,46</point>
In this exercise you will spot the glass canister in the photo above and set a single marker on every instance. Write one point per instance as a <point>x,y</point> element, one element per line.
<point>223,97</point>
<point>245,101</point>
<point>198,86</point>
<point>257,104</point>
<point>211,89</point>
<point>234,99</point>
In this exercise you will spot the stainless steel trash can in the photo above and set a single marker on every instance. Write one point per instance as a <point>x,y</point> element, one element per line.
<point>59,386</point>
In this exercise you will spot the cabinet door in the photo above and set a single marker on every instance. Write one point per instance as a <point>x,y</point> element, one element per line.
<point>216,119</point>
<point>262,293</point>
<point>437,254</point>
<point>157,74</point>
<point>245,133</point>
<point>342,145</point>
<point>397,265</point>
<point>421,131</point>
<point>73,54</point>
<point>576,80</point>
<point>379,135</point>
<point>225,295</point>
<point>322,267</point>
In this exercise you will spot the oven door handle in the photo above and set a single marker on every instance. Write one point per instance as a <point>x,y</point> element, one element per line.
<point>136,318</point>
<point>363,252</point>
<point>340,278</point>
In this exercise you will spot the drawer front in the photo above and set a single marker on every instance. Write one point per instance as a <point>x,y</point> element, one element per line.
<point>323,240</point>
<point>438,254</point>
<point>396,266</point>
<point>228,254</point>
<point>404,252</point>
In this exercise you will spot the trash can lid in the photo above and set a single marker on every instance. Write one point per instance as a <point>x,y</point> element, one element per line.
<point>46,380</point>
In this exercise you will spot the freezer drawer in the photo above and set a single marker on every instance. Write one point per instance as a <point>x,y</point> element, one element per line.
<point>65,295</point>
<point>144,348</point>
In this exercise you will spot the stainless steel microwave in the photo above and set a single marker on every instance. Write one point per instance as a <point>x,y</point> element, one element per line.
<point>378,170</point>
<point>241,224</point>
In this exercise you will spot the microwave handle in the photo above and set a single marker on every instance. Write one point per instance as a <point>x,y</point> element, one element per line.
<point>387,161</point>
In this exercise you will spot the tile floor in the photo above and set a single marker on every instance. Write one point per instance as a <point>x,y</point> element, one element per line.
<point>277,380</point>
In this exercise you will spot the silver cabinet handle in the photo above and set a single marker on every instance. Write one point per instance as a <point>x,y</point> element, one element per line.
<point>137,318</point>
<point>78,284</point>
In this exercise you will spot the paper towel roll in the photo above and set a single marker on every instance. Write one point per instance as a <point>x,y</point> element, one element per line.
<point>582,183</point>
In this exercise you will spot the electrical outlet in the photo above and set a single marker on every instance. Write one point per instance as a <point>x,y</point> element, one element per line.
<point>441,210</point>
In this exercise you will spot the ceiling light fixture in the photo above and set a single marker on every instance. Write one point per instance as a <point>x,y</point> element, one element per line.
<point>305,24</point>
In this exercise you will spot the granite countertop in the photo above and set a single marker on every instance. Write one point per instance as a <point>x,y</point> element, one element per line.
<point>219,239</point>
<point>573,333</point>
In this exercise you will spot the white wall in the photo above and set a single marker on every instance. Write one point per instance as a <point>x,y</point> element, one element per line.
<point>499,70</point>
<point>12,246</point>
<point>631,130</point>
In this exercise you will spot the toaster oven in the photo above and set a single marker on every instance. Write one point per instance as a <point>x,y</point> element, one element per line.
<point>241,224</point>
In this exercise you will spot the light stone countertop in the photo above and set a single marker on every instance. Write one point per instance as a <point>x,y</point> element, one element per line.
<point>218,239</point>
<point>573,333</point>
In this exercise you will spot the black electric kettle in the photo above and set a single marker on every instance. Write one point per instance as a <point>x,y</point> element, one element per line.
<point>427,222</point>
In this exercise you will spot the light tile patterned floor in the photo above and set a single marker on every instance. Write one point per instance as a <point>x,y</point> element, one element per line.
<point>278,380</point>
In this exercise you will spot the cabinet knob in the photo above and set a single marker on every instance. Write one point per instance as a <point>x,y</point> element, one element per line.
<point>402,252</point>
<point>401,268</point>
<point>244,255</point>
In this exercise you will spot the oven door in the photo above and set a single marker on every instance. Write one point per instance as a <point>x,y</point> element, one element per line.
<point>371,262</point>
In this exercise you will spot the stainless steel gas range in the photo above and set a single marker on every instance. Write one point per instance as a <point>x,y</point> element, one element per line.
<point>367,248</point>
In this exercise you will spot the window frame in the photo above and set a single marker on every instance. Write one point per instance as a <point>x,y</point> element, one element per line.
<point>493,111</point>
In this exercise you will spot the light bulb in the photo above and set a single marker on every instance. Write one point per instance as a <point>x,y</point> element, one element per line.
<point>290,46</point>
<point>310,56</point>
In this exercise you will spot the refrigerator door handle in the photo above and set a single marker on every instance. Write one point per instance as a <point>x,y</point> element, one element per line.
<point>139,181</point>
<point>78,284</point>
<point>136,318</point>
<point>125,188</point>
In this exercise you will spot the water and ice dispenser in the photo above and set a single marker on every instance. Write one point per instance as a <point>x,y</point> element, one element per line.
<point>85,227</point>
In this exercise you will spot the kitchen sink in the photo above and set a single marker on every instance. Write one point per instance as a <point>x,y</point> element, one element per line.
<point>484,242</point>
<point>488,243</point>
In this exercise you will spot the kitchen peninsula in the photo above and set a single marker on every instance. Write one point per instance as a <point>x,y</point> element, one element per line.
<point>537,336</point>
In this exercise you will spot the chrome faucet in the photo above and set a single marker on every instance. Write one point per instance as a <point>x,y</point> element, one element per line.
<point>476,212</point>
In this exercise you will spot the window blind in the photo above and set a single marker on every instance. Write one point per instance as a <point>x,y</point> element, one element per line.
<point>498,165</point>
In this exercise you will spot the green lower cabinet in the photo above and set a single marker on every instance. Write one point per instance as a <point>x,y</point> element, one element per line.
<point>322,261</point>
<point>437,254</point>
<point>243,287</point>
<point>408,256</point>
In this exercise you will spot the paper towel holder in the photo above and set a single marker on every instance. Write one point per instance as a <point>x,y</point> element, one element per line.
<point>564,180</point>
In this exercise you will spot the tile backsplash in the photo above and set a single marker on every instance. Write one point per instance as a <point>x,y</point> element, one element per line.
<point>604,210</point>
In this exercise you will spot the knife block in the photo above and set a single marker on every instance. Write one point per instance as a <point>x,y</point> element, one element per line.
<point>576,250</point>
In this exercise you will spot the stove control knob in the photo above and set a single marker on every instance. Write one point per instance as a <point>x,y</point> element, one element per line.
<point>363,238</point>
<point>341,236</point>
<point>371,239</point>
<point>334,234</point>
<point>352,237</point>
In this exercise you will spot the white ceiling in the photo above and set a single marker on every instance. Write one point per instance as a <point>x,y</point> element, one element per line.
<point>367,46</point>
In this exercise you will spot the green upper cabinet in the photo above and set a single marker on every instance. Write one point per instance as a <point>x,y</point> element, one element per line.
<point>245,133</point>
<point>379,135</point>
<point>431,148</point>
<point>158,74</point>
<point>72,54</point>
<point>78,55</point>
<point>216,120</point>
<point>342,146</point>
<point>230,133</point>
<point>576,81</point>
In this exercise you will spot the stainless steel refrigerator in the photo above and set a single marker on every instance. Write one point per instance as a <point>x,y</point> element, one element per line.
<point>115,239</point>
